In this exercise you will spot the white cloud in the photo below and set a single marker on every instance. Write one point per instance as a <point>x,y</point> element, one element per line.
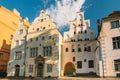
<point>65,11</point>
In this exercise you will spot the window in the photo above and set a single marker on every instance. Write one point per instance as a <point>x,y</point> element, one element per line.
<point>116,42</point>
<point>22,42</point>
<point>79,49</point>
<point>43,37</point>
<point>37,29</point>
<point>34,52</point>
<point>1,55</point>
<point>66,49</point>
<point>47,50</point>
<point>49,37</point>
<point>20,31</point>
<point>89,49</point>
<point>36,38</point>
<point>31,40</point>
<point>16,43</point>
<point>74,32</point>
<point>117,65</point>
<point>43,28</point>
<point>49,67</point>
<point>91,64</point>
<point>73,50</point>
<point>85,31</point>
<point>73,58</point>
<point>85,49</point>
<point>41,20</point>
<point>18,55</point>
<point>79,64</point>
<point>30,68</point>
<point>115,24</point>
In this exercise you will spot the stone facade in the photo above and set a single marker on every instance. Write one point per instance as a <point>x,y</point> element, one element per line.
<point>110,45</point>
<point>78,56</point>
<point>78,52</point>
<point>16,64</point>
<point>43,48</point>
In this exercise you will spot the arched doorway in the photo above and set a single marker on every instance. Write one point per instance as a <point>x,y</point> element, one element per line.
<point>17,70</point>
<point>69,68</point>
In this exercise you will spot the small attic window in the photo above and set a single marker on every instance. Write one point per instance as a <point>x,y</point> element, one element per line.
<point>41,20</point>
<point>43,28</point>
<point>37,29</point>
<point>85,31</point>
<point>20,31</point>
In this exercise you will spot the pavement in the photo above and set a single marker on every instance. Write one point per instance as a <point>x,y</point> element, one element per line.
<point>61,78</point>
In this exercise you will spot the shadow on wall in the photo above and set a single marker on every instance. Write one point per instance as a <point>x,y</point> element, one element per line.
<point>4,57</point>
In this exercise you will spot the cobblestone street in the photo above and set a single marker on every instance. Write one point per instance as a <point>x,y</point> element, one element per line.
<point>61,78</point>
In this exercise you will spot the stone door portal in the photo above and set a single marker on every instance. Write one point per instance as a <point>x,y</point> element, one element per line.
<point>40,70</point>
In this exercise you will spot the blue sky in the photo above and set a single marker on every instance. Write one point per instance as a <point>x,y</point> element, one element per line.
<point>94,9</point>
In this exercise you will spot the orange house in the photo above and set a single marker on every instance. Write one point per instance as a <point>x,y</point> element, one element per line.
<point>9,21</point>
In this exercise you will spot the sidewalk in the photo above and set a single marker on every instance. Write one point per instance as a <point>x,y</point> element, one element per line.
<point>86,78</point>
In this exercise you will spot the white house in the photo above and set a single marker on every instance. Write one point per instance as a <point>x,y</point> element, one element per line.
<point>43,48</point>
<point>78,48</point>
<point>110,45</point>
<point>16,64</point>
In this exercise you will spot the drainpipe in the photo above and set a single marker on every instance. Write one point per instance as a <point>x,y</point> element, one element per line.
<point>99,44</point>
<point>25,51</point>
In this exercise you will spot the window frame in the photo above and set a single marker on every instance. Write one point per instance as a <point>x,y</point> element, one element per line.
<point>116,42</point>
<point>79,64</point>
<point>91,64</point>
<point>31,67</point>
<point>18,55</point>
<point>115,24</point>
<point>49,67</point>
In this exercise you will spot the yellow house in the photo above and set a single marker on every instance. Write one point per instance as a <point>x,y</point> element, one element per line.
<point>9,22</point>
